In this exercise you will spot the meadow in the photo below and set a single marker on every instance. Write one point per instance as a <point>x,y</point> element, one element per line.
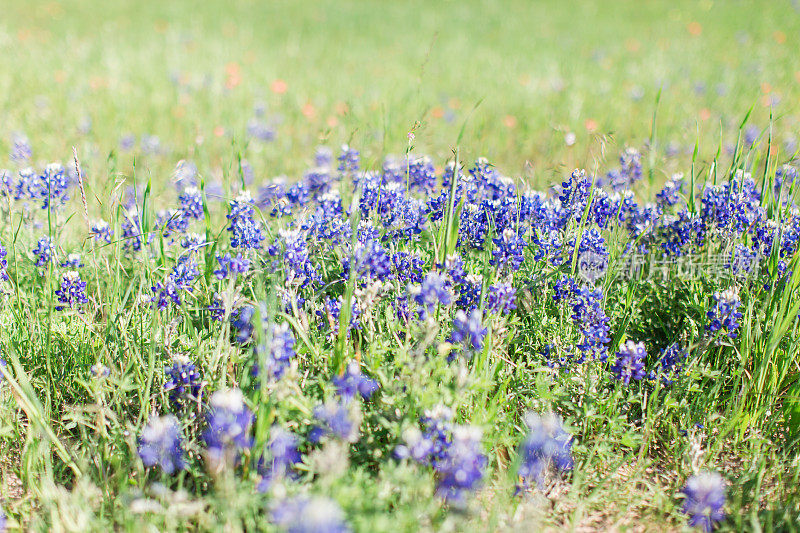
<point>421,266</point>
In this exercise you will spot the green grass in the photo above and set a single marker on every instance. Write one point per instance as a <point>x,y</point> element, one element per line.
<point>505,80</point>
<point>548,66</point>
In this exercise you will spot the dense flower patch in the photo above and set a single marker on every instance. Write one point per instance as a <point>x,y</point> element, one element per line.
<point>353,316</point>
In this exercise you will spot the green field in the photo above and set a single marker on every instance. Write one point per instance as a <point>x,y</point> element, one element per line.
<point>468,303</point>
<point>377,69</point>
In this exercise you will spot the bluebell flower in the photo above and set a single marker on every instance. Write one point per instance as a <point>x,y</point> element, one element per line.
<point>191,200</point>
<point>169,292</point>
<point>330,313</point>
<point>547,446</point>
<point>72,292</point>
<point>101,231</point>
<point>228,425</point>
<point>193,242</point>
<point>280,457</point>
<point>354,382</point>
<point>431,445</point>
<point>280,351</point>
<point>629,172</point>
<point>21,151</point>
<point>705,500</point>
<point>591,319</point>
<point>323,156</point>
<point>432,292</point>
<point>3,263</point>
<point>468,332</point>
<point>244,229</point>
<point>54,185</point>
<point>670,364</point>
<point>303,514</point>
<point>564,288</point>
<point>231,266</point>
<point>27,185</point>
<point>349,160</point>
<point>723,318</point>
<point>171,221</point>
<point>408,267</point>
<point>43,253</point>
<point>160,444</point>
<point>292,247</point>
<point>469,292</point>
<point>72,261</point>
<point>183,382</point>
<point>630,362</point>
<point>370,261</point>
<point>462,469</point>
<point>501,298</point>
<point>669,195</point>
<point>508,252</point>
<point>339,419</point>
<point>3,520</point>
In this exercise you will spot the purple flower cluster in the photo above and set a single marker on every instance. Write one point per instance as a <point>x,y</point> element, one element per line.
<point>723,318</point>
<point>180,280</point>
<point>280,458</point>
<point>468,332</point>
<point>244,229</point>
<point>160,444</point>
<point>231,267</point>
<point>354,382</point>
<point>547,446</point>
<point>72,292</point>
<point>303,514</point>
<point>453,451</point>
<point>339,419</point>
<point>183,382</point>
<point>704,500</point>
<point>630,362</point>
<point>227,425</point>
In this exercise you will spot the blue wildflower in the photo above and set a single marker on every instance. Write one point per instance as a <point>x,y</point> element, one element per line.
<point>244,229</point>
<point>705,500</point>
<point>191,200</point>
<point>72,292</point>
<point>723,318</point>
<point>231,266</point>
<point>630,362</point>
<point>670,364</point>
<point>339,419</point>
<point>228,425</point>
<point>302,514</point>
<point>160,444</point>
<point>432,292</point>
<point>349,159</point>
<point>43,252</point>
<point>182,382</point>
<point>546,446</point>
<point>462,469</point>
<point>468,332</point>
<point>101,231</point>
<point>280,458</point>
<point>508,254</point>
<point>354,382</point>
<point>3,263</point>
<point>501,298</point>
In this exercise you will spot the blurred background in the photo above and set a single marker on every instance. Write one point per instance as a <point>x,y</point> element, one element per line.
<point>538,87</point>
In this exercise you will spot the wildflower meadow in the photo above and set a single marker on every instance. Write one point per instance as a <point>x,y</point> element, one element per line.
<point>367,266</point>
